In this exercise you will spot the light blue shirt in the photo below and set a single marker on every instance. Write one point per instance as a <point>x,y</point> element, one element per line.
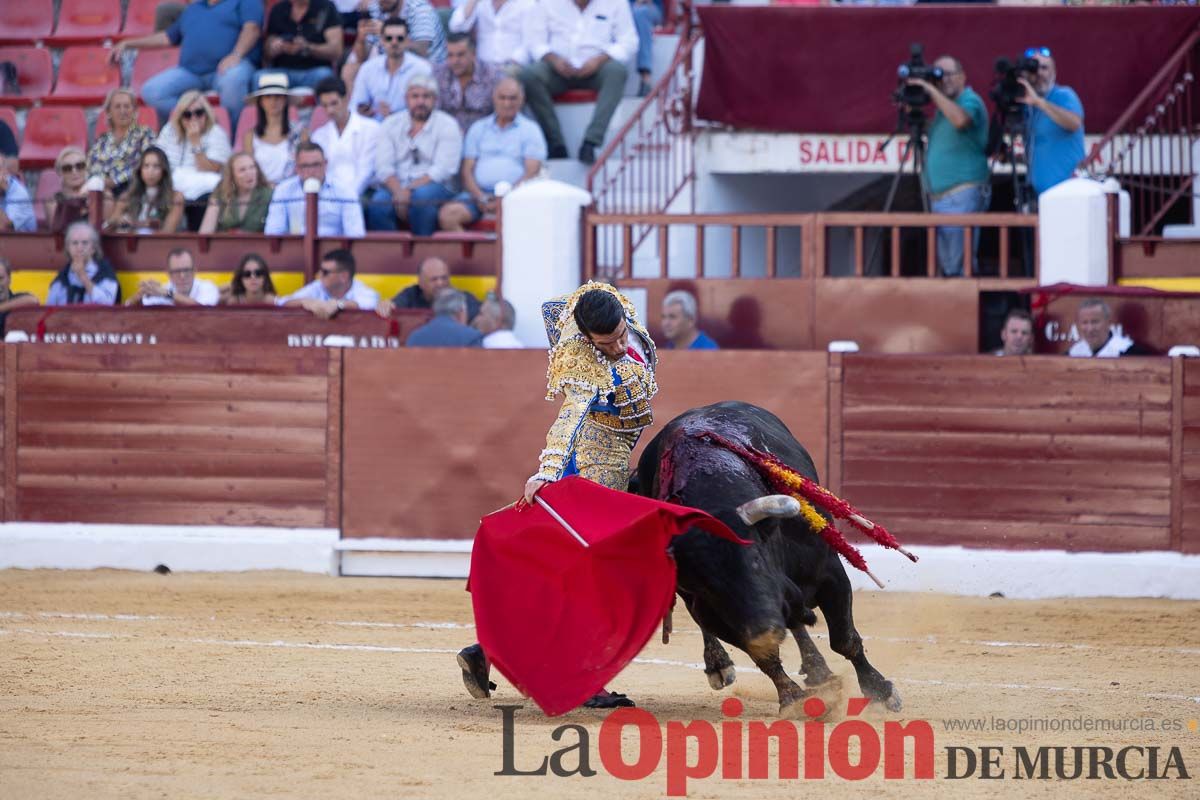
<point>362,295</point>
<point>103,292</point>
<point>19,207</point>
<point>1054,152</point>
<point>500,153</point>
<point>374,84</point>
<point>338,211</point>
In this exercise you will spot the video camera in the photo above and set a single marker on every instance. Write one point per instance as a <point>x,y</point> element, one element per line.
<point>1007,90</point>
<point>915,68</point>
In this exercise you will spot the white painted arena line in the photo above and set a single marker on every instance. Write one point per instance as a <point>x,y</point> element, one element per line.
<point>640,661</point>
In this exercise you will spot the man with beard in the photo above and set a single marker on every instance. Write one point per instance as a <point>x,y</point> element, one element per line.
<point>416,159</point>
<point>1054,117</point>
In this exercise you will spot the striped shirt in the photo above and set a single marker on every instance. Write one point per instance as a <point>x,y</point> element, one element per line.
<point>424,26</point>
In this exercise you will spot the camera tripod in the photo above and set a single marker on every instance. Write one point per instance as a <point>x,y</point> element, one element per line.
<point>914,121</point>
<point>1024,198</point>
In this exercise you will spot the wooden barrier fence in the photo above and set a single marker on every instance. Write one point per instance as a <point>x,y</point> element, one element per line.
<point>1029,453</point>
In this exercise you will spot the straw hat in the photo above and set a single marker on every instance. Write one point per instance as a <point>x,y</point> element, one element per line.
<point>272,83</point>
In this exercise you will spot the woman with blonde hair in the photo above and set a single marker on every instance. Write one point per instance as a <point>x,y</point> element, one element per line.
<point>251,284</point>
<point>117,150</point>
<point>197,148</point>
<point>69,203</point>
<point>150,204</point>
<point>240,201</point>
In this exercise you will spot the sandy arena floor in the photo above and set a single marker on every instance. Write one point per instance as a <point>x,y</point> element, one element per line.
<point>131,685</point>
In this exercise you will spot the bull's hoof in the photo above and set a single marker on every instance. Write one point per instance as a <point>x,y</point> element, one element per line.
<point>892,701</point>
<point>475,672</point>
<point>721,678</point>
<point>792,707</point>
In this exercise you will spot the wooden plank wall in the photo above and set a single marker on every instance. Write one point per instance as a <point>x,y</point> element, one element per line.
<point>1011,453</point>
<point>197,435</point>
<point>1189,455</point>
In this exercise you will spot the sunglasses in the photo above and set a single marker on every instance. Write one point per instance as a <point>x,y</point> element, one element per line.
<point>394,38</point>
<point>78,166</point>
<point>253,273</point>
<point>1044,52</point>
<point>193,113</point>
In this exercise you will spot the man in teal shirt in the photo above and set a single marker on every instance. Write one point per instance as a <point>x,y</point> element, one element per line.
<point>956,166</point>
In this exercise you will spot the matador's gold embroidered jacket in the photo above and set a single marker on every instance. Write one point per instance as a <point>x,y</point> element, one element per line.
<point>606,404</point>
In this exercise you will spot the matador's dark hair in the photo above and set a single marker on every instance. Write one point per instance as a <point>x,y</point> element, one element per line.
<point>598,312</point>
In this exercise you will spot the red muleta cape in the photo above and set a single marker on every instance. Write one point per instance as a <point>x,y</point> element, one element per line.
<point>560,620</point>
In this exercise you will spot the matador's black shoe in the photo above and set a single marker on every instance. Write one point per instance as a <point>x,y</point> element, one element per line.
<point>475,672</point>
<point>607,699</point>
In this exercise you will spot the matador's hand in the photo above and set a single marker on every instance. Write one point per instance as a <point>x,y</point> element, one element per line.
<point>531,488</point>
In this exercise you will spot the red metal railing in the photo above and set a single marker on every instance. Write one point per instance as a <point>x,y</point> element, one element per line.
<point>651,160</point>
<point>1149,148</point>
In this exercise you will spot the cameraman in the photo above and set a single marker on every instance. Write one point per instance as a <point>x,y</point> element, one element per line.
<point>956,166</point>
<point>1054,119</point>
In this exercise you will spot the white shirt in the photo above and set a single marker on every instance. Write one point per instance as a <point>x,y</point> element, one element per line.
<point>374,84</point>
<point>188,180</point>
<point>203,292</point>
<point>1113,348</point>
<point>338,211</point>
<point>435,151</point>
<point>359,293</point>
<point>558,26</point>
<point>499,35</point>
<point>351,153</point>
<point>502,340</point>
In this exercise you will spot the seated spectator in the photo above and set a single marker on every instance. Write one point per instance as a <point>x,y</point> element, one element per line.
<point>338,211</point>
<point>495,321</point>
<point>70,202</point>
<point>251,284</point>
<point>150,204</point>
<point>348,139</point>
<point>646,15</point>
<point>16,206</point>
<point>335,290</point>
<point>1017,334</point>
<point>504,147</point>
<point>577,47</point>
<point>416,159</point>
<point>679,323</point>
<point>432,276</point>
<point>1097,339</point>
<point>8,298</point>
<point>382,81</point>
<point>426,36</point>
<point>273,140</point>
<point>465,84</point>
<point>87,276</point>
<point>449,327</point>
<point>368,43</point>
<point>197,148</point>
<point>218,49</point>
<point>240,202</point>
<point>499,29</point>
<point>304,41</point>
<point>182,288</point>
<point>115,153</point>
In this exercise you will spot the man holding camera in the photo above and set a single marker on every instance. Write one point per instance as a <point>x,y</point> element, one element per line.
<point>956,166</point>
<point>1054,118</point>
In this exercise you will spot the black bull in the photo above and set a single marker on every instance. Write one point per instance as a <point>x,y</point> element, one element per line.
<point>752,596</point>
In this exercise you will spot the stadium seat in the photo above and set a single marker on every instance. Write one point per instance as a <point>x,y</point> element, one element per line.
<point>25,22</point>
<point>35,74</point>
<point>86,22</point>
<point>151,62</point>
<point>85,77</point>
<point>223,117</point>
<point>9,118</point>
<point>145,116</point>
<point>249,118</point>
<point>48,182</point>
<point>139,18</point>
<point>318,118</point>
<point>48,130</point>
<point>576,96</point>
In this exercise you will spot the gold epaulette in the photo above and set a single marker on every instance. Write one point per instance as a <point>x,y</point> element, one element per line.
<point>575,361</point>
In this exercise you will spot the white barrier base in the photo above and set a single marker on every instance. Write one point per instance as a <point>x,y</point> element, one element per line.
<point>181,548</point>
<point>1029,574</point>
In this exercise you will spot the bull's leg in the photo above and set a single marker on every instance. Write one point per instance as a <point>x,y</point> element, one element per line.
<point>835,600</point>
<point>812,663</point>
<point>717,664</point>
<point>764,649</point>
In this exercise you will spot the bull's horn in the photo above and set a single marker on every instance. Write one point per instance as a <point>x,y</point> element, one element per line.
<point>773,505</point>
